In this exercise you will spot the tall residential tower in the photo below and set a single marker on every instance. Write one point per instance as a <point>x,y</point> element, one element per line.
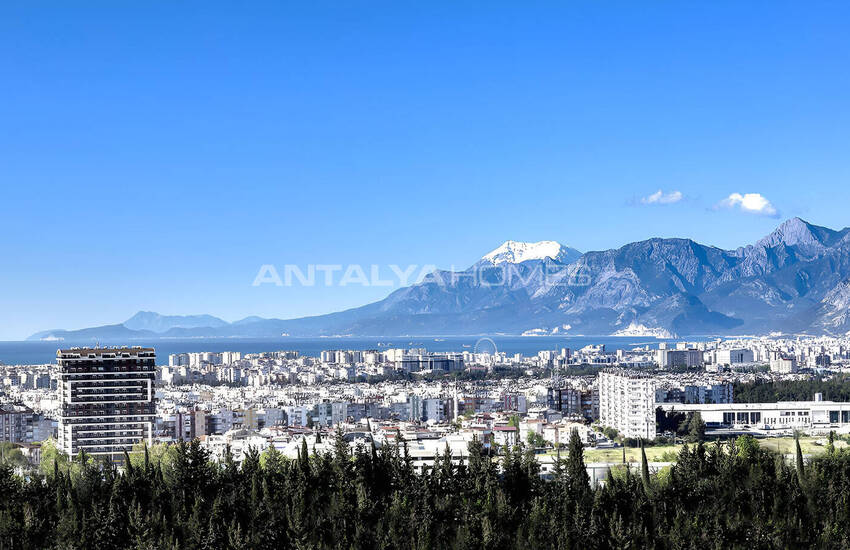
<point>627,402</point>
<point>107,397</point>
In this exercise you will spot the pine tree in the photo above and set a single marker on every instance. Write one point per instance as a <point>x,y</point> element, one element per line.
<point>216,530</point>
<point>140,528</point>
<point>235,539</point>
<point>696,428</point>
<point>195,530</point>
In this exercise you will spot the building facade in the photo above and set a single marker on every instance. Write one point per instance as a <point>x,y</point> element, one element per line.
<point>627,402</point>
<point>818,416</point>
<point>667,358</point>
<point>688,393</point>
<point>107,399</point>
<point>782,363</point>
<point>574,401</point>
<point>734,356</point>
<point>16,423</point>
<point>430,362</point>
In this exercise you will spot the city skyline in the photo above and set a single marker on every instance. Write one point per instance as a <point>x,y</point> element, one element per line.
<point>178,153</point>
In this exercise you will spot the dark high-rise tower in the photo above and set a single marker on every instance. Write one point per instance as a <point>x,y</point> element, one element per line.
<point>107,397</point>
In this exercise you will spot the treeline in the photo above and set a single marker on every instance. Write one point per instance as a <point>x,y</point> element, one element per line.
<point>836,388</point>
<point>724,495</point>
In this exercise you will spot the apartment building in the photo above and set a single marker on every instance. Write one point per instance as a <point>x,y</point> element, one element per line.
<point>16,423</point>
<point>627,402</point>
<point>667,358</point>
<point>107,399</point>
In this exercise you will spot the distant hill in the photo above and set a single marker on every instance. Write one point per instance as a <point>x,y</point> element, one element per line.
<point>795,279</point>
<point>154,322</point>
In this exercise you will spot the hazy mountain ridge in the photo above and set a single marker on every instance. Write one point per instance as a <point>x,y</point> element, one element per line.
<point>794,279</point>
<point>154,322</point>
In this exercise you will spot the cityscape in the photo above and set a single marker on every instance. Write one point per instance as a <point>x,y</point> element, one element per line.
<point>107,400</point>
<point>424,276</point>
<point>629,409</point>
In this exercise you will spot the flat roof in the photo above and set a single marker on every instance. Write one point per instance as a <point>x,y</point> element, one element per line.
<point>101,351</point>
<point>727,406</point>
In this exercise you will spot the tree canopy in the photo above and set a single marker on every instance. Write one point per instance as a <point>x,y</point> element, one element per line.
<point>719,495</point>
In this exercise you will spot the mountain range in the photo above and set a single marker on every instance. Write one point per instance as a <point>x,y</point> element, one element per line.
<point>794,280</point>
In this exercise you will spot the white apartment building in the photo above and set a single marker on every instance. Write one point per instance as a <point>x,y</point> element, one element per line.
<point>433,409</point>
<point>734,356</point>
<point>178,360</point>
<point>782,363</point>
<point>627,402</point>
<point>230,357</point>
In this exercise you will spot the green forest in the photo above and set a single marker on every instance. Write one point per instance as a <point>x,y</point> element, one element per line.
<point>731,494</point>
<point>834,388</point>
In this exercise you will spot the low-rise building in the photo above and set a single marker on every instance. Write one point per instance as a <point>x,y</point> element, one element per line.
<point>804,415</point>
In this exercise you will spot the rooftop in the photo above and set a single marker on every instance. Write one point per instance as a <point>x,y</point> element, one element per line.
<point>100,352</point>
<point>728,406</point>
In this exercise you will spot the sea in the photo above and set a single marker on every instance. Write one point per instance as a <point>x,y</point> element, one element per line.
<point>39,353</point>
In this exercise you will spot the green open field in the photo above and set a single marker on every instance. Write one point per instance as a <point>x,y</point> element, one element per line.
<point>809,445</point>
<point>785,445</point>
<point>653,454</point>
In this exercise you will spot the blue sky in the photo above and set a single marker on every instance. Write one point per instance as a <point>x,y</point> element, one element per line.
<point>154,156</point>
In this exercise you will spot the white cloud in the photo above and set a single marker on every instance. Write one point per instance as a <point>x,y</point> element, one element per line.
<point>753,203</point>
<point>659,197</point>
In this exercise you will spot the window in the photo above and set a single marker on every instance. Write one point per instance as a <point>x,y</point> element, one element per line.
<point>833,417</point>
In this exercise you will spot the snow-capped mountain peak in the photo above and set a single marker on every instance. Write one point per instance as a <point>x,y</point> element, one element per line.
<point>517,252</point>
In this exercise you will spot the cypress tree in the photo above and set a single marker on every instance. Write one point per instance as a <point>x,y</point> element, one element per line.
<point>579,482</point>
<point>644,467</point>
<point>128,466</point>
<point>341,448</point>
<point>799,460</point>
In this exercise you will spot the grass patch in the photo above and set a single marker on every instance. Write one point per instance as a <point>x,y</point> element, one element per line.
<point>663,453</point>
<point>653,454</point>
